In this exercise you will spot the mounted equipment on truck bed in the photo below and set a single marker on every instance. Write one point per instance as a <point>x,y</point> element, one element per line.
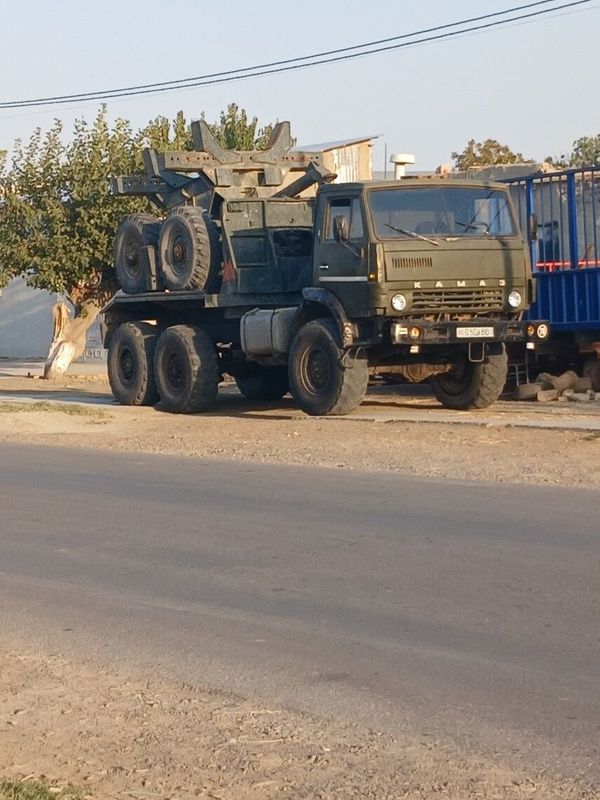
<point>190,188</point>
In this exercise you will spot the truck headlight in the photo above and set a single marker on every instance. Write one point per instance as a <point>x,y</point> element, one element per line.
<point>398,302</point>
<point>515,299</point>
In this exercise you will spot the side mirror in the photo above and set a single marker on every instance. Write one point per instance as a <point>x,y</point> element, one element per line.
<point>533,228</point>
<point>340,228</point>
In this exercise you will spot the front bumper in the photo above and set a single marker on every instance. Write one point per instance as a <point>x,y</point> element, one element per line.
<point>417,331</point>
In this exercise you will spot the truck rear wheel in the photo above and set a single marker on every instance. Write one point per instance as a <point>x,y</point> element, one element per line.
<point>189,250</point>
<point>469,385</point>
<point>135,234</point>
<point>131,364</point>
<point>320,382</point>
<point>263,383</point>
<point>186,369</point>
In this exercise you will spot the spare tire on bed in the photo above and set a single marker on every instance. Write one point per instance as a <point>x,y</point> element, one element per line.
<point>135,234</point>
<point>190,250</point>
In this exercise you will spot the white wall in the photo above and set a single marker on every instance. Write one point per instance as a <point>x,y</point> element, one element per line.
<point>25,320</point>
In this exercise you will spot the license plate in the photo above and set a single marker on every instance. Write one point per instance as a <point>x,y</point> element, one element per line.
<point>474,333</point>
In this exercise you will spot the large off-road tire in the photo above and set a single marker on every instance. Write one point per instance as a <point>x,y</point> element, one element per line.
<point>190,250</point>
<point>131,364</point>
<point>134,235</point>
<point>470,385</point>
<point>186,369</point>
<point>323,379</point>
<point>263,383</point>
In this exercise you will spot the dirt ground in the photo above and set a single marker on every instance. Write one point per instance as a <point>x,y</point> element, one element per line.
<point>117,735</point>
<point>279,433</point>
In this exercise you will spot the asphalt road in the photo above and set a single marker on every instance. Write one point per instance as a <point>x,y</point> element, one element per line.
<point>467,612</point>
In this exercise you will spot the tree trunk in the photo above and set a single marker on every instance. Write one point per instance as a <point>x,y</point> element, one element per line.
<point>68,338</point>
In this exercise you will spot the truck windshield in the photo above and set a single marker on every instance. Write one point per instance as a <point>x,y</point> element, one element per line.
<point>440,212</point>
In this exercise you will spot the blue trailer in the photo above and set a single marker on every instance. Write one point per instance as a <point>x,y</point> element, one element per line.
<point>561,213</point>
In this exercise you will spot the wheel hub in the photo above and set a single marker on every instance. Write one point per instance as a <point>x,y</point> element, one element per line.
<point>126,365</point>
<point>179,252</point>
<point>132,257</point>
<point>318,369</point>
<point>174,371</point>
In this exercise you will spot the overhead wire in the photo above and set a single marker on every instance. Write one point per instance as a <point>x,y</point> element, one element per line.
<point>181,82</point>
<point>301,62</point>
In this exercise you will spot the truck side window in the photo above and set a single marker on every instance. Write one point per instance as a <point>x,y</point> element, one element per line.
<point>348,207</point>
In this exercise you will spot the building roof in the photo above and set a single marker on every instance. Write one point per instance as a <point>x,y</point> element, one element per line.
<point>324,146</point>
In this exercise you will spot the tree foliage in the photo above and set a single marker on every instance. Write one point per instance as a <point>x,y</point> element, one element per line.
<point>57,216</point>
<point>585,153</point>
<point>235,131</point>
<point>486,153</point>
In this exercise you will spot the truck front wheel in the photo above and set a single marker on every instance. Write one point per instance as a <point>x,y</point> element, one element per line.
<point>263,383</point>
<point>472,385</point>
<point>131,364</point>
<point>186,369</point>
<point>323,379</point>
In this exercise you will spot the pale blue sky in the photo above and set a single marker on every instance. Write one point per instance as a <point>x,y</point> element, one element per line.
<point>533,86</point>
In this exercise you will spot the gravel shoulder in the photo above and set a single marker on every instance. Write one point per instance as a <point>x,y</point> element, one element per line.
<point>373,439</point>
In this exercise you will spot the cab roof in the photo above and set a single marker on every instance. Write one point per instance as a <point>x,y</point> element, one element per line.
<point>408,183</point>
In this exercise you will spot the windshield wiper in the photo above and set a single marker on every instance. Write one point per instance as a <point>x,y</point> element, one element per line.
<point>413,234</point>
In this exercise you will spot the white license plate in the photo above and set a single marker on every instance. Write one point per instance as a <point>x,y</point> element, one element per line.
<point>474,333</point>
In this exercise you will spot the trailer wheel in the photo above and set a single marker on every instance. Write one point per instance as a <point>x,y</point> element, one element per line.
<point>131,364</point>
<point>591,370</point>
<point>190,253</point>
<point>135,234</point>
<point>186,369</point>
<point>471,386</point>
<point>323,379</point>
<point>263,383</point>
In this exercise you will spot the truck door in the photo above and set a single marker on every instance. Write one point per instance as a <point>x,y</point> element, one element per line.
<point>341,266</point>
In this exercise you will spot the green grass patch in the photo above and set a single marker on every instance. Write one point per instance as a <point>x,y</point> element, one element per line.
<point>36,790</point>
<point>62,408</point>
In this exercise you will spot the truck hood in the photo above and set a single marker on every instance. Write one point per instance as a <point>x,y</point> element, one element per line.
<point>493,260</point>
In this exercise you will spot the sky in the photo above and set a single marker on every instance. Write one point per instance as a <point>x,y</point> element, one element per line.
<point>533,86</point>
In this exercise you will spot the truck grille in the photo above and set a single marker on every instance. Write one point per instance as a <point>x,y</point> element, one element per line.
<point>411,262</point>
<point>457,299</point>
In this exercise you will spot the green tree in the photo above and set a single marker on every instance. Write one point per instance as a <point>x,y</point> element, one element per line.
<point>585,153</point>
<point>57,215</point>
<point>58,218</point>
<point>486,153</point>
<point>236,131</point>
<point>163,134</point>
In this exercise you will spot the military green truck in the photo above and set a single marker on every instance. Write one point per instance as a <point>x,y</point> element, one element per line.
<point>243,274</point>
